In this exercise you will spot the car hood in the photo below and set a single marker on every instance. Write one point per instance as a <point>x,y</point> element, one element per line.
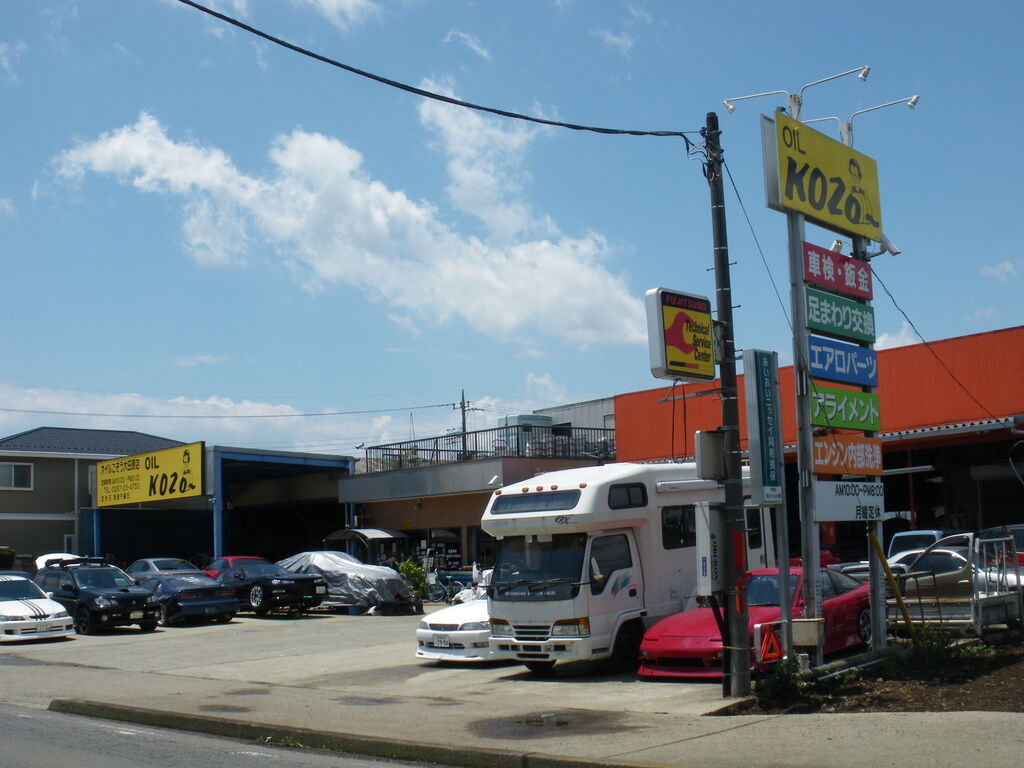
<point>115,591</point>
<point>700,622</point>
<point>461,613</point>
<point>31,608</point>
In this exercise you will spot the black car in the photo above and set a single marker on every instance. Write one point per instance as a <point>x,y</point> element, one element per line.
<point>98,595</point>
<point>264,587</point>
<point>191,595</point>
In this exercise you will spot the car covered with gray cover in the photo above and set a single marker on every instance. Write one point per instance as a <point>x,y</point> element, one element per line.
<point>354,584</point>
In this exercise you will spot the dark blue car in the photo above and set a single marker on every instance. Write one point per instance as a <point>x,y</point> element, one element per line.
<point>191,596</point>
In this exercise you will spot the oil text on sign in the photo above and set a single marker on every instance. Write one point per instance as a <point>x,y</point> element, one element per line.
<point>827,181</point>
<point>837,272</point>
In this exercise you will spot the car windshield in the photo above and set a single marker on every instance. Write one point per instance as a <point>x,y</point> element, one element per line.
<point>174,565</point>
<point>529,569</point>
<point>19,589</point>
<point>265,569</point>
<point>763,588</point>
<point>102,578</point>
<point>189,582</point>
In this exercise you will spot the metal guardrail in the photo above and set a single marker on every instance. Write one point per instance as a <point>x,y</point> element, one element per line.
<point>514,441</point>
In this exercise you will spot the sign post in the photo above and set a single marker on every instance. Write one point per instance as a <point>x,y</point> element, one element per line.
<point>171,473</point>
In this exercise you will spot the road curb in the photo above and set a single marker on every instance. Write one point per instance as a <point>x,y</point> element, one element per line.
<point>395,749</point>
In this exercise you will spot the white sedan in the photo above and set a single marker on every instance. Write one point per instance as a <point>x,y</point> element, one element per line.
<point>456,633</point>
<point>26,613</point>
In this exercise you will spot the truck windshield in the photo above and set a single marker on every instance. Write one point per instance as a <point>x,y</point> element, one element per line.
<point>527,569</point>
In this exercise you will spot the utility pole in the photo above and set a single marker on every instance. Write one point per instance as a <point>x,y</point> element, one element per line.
<point>736,680</point>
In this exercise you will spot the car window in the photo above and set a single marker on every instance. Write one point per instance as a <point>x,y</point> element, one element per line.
<point>825,585</point>
<point>218,565</point>
<point>64,582</point>
<point>136,567</point>
<point>608,554</point>
<point>678,527</point>
<point>842,582</point>
<point>763,588</point>
<point>938,562</point>
<point>19,589</point>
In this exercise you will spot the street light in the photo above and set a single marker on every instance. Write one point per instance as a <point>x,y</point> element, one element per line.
<point>846,127</point>
<point>796,100</point>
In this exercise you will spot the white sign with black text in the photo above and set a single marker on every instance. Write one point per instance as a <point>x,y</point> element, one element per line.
<point>848,501</point>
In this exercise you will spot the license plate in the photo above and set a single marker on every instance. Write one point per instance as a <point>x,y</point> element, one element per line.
<point>441,641</point>
<point>321,590</point>
<point>135,615</point>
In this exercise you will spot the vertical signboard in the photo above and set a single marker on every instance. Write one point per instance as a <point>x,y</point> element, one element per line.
<point>764,426</point>
<point>680,335</point>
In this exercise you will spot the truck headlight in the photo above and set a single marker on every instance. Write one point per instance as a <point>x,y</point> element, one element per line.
<point>571,627</point>
<point>502,628</point>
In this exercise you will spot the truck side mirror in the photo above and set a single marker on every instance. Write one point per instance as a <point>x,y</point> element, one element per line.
<point>595,570</point>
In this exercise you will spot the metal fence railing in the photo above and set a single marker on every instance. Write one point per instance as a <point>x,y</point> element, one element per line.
<point>513,441</point>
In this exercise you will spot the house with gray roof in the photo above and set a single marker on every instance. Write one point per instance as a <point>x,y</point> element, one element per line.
<point>45,482</point>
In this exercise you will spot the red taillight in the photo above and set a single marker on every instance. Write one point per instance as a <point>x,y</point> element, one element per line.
<point>189,596</point>
<point>226,593</point>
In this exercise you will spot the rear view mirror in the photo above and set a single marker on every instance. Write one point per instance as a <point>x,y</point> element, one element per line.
<point>595,570</point>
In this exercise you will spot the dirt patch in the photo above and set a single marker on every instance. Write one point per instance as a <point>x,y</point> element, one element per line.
<point>991,679</point>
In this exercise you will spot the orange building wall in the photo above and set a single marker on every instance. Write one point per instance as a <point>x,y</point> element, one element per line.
<point>914,391</point>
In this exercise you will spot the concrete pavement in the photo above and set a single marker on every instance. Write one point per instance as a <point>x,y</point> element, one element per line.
<point>352,683</point>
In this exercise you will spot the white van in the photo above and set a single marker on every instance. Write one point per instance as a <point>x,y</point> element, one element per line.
<point>590,557</point>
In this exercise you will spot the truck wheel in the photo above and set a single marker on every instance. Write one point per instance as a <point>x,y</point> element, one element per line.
<point>540,667</point>
<point>626,651</point>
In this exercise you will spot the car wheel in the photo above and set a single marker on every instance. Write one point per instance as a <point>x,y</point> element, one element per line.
<point>83,622</point>
<point>626,651</point>
<point>864,626</point>
<point>147,626</point>
<point>161,616</point>
<point>540,667</point>
<point>258,599</point>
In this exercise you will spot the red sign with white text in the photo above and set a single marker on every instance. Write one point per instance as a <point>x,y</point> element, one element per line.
<point>836,272</point>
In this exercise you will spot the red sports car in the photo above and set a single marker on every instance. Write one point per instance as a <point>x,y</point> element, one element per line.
<point>214,569</point>
<point>689,644</point>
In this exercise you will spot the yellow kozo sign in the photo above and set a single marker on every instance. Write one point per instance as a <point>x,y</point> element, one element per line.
<point>827,181</point>
<point>173,473</point>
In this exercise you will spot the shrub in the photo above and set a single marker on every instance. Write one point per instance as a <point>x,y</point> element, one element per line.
<point>415,575</point>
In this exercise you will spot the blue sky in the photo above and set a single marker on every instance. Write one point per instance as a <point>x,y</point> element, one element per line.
<point>196,222</point>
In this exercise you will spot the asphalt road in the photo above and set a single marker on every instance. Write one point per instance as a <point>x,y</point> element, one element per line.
<point>36,739</point>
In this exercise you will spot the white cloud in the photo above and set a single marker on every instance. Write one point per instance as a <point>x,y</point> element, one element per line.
<point>333,223</point>
<point>1004,271</point>
<point>901,338</point>
<point>221,420</point>
<point>6,206</point>
<point>344,14</point>
<point>622,43</point>
<point>470,41</point>
<point>543,387</point>
<point>193,361</point>
<point>9,55</point>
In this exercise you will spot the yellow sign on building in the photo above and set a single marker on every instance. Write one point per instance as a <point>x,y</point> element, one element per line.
<point>827,181</point>
<point>172,473</point>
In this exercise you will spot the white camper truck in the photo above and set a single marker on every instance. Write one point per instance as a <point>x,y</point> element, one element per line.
<point>590,557</point>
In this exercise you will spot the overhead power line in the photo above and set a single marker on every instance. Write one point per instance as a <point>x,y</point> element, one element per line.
<point>431,94</point>
<point>240,416</point>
